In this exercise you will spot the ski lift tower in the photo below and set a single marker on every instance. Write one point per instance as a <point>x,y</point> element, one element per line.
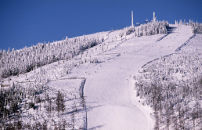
<point>132,25</point>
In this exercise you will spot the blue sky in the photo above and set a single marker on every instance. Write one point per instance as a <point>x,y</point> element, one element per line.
<point>27,22</point>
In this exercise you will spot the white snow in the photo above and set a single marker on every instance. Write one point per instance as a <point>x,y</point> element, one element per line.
<point>109,89</point>
<point>112,105</point>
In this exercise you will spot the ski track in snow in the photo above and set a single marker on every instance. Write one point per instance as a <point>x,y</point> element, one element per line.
<point>109,92</point>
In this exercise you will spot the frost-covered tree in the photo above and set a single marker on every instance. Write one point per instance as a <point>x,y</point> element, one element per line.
<point>175,100</point>
<point>24,60</point>
<point>60,102</point>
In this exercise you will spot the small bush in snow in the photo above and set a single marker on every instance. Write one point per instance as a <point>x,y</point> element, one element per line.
<point>130,30</point>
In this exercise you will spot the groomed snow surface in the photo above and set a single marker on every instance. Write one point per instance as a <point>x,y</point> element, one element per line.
<point>110,96</point>
<point>107,70</point>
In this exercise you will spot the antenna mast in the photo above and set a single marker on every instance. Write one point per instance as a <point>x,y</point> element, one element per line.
<point>154,17</point>
<point>132,19</point>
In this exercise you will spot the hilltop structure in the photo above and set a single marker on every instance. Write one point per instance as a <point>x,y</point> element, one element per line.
<point>154,17</point>
<point>132,25</point>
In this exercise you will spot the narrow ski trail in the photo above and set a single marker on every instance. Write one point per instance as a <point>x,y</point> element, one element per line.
<point>108,91</point>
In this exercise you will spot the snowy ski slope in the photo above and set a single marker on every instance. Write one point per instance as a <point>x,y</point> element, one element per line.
<point>108,69</point>
<point>111,100</point>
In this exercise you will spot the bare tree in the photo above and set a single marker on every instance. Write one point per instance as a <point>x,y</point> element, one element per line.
<point>60,102</point>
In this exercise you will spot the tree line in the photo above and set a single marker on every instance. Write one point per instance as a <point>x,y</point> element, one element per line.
<point>172,86</point>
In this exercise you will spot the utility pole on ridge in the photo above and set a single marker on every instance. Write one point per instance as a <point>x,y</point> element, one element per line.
<point>132,25</point>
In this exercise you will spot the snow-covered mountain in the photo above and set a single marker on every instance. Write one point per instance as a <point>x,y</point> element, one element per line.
<point>104,80</point>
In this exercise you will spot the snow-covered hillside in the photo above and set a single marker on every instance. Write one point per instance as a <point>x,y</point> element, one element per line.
<point>97,81</point>
<point>14,62</point>
<point>110,98</point>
